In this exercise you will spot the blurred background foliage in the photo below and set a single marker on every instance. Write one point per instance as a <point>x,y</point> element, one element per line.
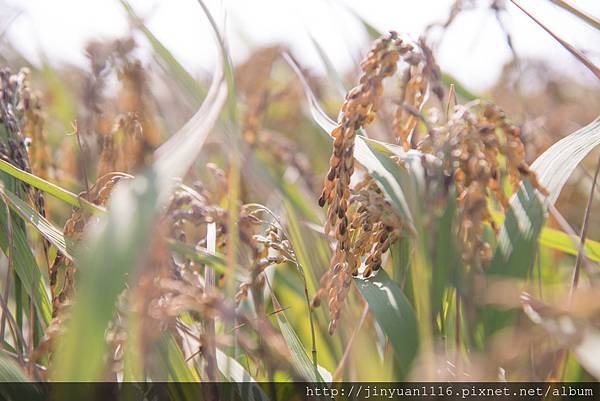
<point>156,226</point>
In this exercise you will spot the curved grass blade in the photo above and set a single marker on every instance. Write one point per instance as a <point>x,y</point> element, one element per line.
<point>519,234</point>
<point>13,382</point>
<point>26,266</point>
<point>174,361</point>
<point>559,240</point>
<point>331,72</point>
<point>184,79</point>
<point>300,359</point>
<point>395,315</point>
<point>174,157</point>
<point>11,372</point>
<point>121,241</point>
<point>235,372</point>
<point>557,163</point>
<point>45,228</point>
<point>50,188</point>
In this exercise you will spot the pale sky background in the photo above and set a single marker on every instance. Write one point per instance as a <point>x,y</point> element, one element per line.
<point>473,50</point>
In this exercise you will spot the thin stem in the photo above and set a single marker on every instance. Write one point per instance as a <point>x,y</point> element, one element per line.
<point>562,222</point>
<point>452,101</point>
<point>83,159</point>
<point>5,310</point>
<point>209,279</point>
<point>589,19</point>
<point>575,52</point>
<point>584,229</point>
<point>9,271</point>
<point>338,371</point>
<point>310,318</point>
<point>17,336</point>
<point>31,331</point>
<point>457,333</point>
<point>292,258</point>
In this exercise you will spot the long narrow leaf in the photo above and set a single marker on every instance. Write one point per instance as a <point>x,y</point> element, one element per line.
<point>300,359</point>
<point>123,238</point>
<point>54,235</point>
<point>50,188</point>
<point>26,266</point>
<point>183,78</point>
<point>557,163</point>
<point>235,372</point>
<point>394,314</point>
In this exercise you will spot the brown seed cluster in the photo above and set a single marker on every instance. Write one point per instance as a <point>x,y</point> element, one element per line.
<point>359,110</point>
<point>190,210</point>
<point>22,140</point>
<point>480,147</point>
<point>269,248</point>
<point>21,125</point>
<point>256,337</point>
<point>122,147</point>
<point>373,226</point>
<point>62,271</point>
<point>118,132</point>
<point>13,143</point>
<point>476,145</point>
<point>260,95</point>
<point>420,78</point>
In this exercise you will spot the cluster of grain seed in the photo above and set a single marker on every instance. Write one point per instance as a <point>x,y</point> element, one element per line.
<point>17,112</point>
<point>472,144</point>
<point>420,78</point>
<point>255,336</point>
<point>259,95</point>
<point>271,248</point>
<point>62,271</point>
<point>22,141</point>
<point>262,247</point>
<point>116,133</point>
<point>373,227</point>
<point>121,148</point>
<point>358,110</point>
<point>412,97</point>
<point>33,129</point>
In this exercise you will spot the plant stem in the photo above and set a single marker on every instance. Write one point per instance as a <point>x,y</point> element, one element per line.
<point>9,271</point>
<point>589,19</point>
<point>578,54</point>
<point>209,279</point>
<point>584,229</point>
<point>338,372</point>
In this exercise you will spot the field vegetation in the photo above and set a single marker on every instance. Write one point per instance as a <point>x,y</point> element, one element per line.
<point>270,224</point>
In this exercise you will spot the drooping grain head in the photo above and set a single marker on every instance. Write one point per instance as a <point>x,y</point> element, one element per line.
<point>373,226</point>
<point>62,271</point>
<point>358,110</point>
<point>481,148</point>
